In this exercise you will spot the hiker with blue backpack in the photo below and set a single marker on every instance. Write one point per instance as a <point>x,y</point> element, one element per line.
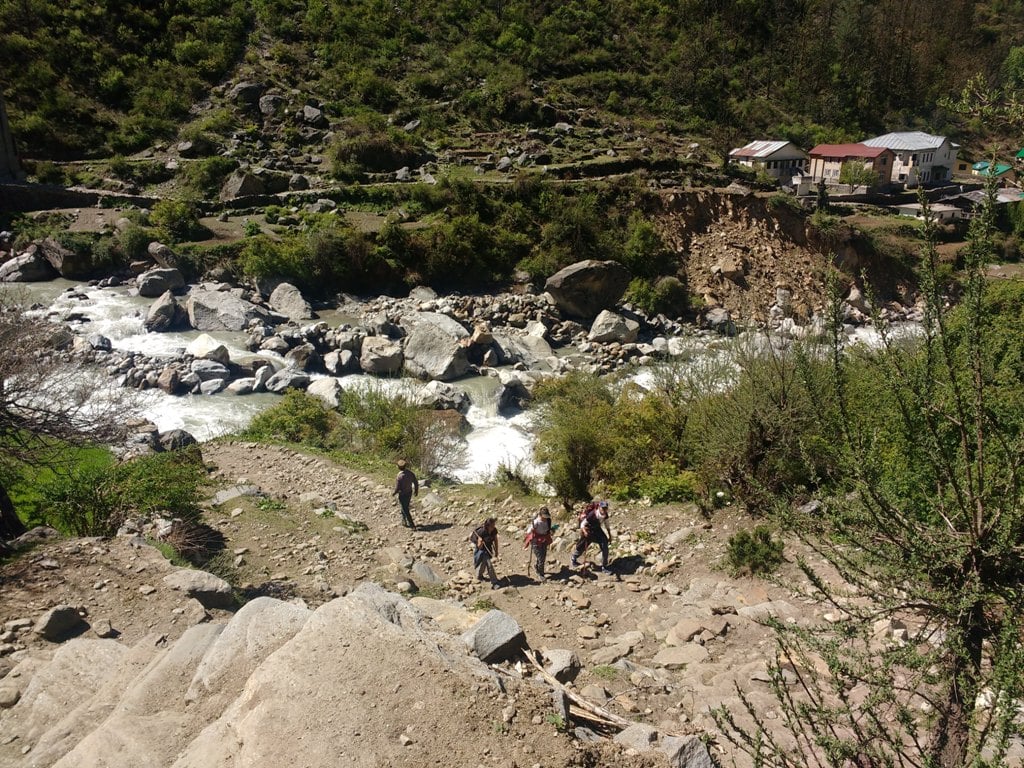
<point>485,548</point>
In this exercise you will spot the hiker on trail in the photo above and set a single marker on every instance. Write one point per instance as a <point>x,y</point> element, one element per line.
<point>406,485</point>
<point>592,522</point>
<point>485,543</point>
<point>538,537</point>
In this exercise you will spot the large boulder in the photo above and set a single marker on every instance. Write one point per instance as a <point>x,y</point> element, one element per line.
<point>443,397</point>
<point>241,184</point>
<point>327,389</point>
<point>583,289</point>
<point>30,267</point>
<point>221,311</point>
<point>612,327</point>
<point>156,282</point>
<point>289,301</point>
<point>434,348</point>
<point>165,314</point>
<point>208,348</point>
<point>496,637</point>
<point>530,350</point>
<point>380,355</point>
<point>288,378</point>
<point>70,264</point>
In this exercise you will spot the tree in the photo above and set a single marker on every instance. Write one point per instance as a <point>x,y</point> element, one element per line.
<point>923,521</point>
<point>857,174</point>
<point>47,401</point>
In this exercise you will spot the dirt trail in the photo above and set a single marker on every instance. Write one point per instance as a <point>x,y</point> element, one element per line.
<point>319,529</point>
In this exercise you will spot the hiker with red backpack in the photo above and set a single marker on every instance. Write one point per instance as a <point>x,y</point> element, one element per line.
<point>593,518</point>
<point>538,537</point>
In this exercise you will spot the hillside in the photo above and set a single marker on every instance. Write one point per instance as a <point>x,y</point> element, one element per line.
<point>78,85</point>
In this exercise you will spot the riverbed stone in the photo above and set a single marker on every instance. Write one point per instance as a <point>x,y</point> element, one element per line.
<point>434,350</point>
<point>155,282</point>
<point>609,326</point>
<point>30,267</point>
<point>287,379</point>
<point>289,301</point>
<point>583,289</point>
<point>165,314</point>
<point>380,355</point>
<point>327,389</point>
<point>208,348</point>
<point>221,311</point>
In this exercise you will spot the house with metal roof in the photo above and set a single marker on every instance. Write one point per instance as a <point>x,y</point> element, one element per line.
<point>920,158</point>
<point>827,162</point>
<point>985,168</point>
<point>779,159</point>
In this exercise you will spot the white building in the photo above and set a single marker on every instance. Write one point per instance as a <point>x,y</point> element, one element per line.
<point>921,158</point>
<point>779,159</point>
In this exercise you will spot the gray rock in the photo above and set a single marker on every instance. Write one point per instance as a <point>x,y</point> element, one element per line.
<point>221,311</point>
<point>30,267</point>
<point>297,182</point>
<point>302,357</point>
<point>442,397</point>
<point>243,386</point>
<point>425,574</point>
<point>242,184</point>
<point>686,752</point>
<point>235,492</point>
<point>313,116</point>
<point>177,439</point>
<point>327,389</point>
<point>206,347</point>
<point>496,637</point>
<point>433,349</point>
<point>212,386</point>
<point>69,264</point>
<point>58,622</point>
<point>562,664</point>
<point>583,289</point>
<point>609,327</point>
<point>718,319</point>
<point>9,696</point>
<point>103,628</point>
<point>99,342</point>
<point>339,362</point>
<point>380,355</point>
<point>289,301</point>
<point>287,379</point>
<point>212,591</point>
<point>638,736</point>
<point>246,92</point>
<point>207,370</point>
<point>270,104</point>
<point>157,281</point>
<point>162,255</point>
<point>681,656</point>
<point>165,314</point>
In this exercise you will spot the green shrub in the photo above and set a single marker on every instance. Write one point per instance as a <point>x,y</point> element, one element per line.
<point>176,220</point>
<point>371,146</point>
<point>95,498</point>
<point>205,177</point>
<point>665,483</point>
<point>299,418</point>
<point>134,241</point>
<point>754,552</point>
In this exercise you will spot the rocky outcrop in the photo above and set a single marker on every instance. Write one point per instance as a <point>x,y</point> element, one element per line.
<point>68,263</point>
<point>583,289</point>
<point>221,311</point>
<point>156,282</point>
<point>165,314</point>
<point>29,267</point>
<point>434,348</point>
<point>380,355</point>
<point>289,301</point>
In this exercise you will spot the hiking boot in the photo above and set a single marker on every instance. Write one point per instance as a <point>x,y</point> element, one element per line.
<point>574,562</point>
<point>495,585</point>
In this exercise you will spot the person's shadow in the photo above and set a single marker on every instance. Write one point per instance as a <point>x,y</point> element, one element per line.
<point>432,527</point>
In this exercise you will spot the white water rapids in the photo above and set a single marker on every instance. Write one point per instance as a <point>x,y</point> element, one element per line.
<point>493,441</point>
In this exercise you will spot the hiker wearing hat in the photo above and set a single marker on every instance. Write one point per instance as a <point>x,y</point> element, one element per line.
<point>538,537</point>
<point>592,521</point>
<point>485,548</point>
<point>406,485</point>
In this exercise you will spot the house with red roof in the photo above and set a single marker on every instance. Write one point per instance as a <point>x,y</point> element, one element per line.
<point>827,162</point>
<point>779,159</point>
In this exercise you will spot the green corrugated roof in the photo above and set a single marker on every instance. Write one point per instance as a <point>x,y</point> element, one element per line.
<point>983,168</point>
<point>1021,154</point>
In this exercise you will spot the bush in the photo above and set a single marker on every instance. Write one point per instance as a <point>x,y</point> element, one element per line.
<point>205,177</point>
<point>176,220</point>
<point>754,552</point>
<point>665,483</point>
<point>95,498</point>
<point>299,418</point>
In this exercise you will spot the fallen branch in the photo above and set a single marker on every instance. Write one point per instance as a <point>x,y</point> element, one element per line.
<point>588,706</point>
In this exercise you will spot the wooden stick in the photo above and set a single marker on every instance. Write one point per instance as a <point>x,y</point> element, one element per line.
<point>578,700</point>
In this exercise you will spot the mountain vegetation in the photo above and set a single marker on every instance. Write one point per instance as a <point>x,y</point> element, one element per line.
<point>95,78</point>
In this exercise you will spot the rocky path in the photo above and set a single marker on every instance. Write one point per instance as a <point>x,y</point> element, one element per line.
<point>662,640</point>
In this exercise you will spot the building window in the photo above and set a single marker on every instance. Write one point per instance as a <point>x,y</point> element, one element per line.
<point>883,160</point>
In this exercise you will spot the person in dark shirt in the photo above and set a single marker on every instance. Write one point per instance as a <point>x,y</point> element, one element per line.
<point>406,486</point>
<point>485,541</point>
